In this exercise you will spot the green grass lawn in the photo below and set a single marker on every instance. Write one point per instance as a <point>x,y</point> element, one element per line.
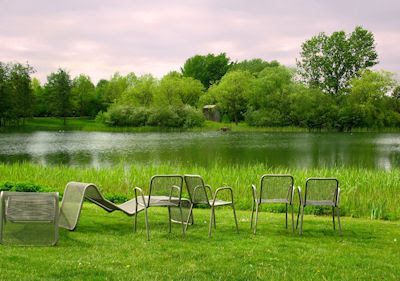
<point>104,247</point>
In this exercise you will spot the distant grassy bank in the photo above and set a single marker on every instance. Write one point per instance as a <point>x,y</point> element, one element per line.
<point>365,193</point>
<point>88,124</point>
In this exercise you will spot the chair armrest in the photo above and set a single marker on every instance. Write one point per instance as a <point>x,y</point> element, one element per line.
<point>195,190</point>
<point>172,189</point>
<point>300,195</point>
<point>254,190</point>
<point>291,194</point>
<point>142,194</point>
<point>209,190</point>
<point>221,189</point>
<point>338,197</point>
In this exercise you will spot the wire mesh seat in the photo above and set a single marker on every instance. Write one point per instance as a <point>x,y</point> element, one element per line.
<point>273,189</point>
<point>166,191</point>
<point>200,193</point>
<point>29,218</point>
<point>320,192</point>
<point>76,192</point>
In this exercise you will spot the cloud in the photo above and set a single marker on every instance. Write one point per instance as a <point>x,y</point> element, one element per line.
<point>101,37</point>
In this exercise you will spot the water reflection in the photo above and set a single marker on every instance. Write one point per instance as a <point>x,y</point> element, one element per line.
<point>98,149</point>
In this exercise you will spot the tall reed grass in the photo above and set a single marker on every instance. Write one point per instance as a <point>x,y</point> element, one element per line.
<point>365,192</point>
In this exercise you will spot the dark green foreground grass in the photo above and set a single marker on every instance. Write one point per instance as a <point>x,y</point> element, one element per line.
<point>103,247</point>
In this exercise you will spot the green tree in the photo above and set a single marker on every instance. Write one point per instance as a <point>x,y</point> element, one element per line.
<point>330,62</point>
<point>207,69</point>
<point>254,66</point>
<point>5,99</point>
<point>59,87</point>
<point>21,92</point>
<point>83,93</point>
<point>100,95</point>
<point>115,87</point>
<point>232,92</point>
<point>190,90</point>
<point>42,100</point>
<point>168,90</point>
<point>142,91</point>
<point>269,96</point>
<point>367,102</point>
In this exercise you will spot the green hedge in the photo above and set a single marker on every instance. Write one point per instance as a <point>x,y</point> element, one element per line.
<point>168,116</point>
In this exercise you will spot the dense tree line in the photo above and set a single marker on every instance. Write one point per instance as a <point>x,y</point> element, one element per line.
<point>331,88</point>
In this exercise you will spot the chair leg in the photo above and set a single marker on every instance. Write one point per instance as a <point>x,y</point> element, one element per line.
<point>211,219</point>
<point>292,218</point>
<point>188,219</point>
<point>301,223</point>
<point>134,228</point>
<point>255,223</point>
<point>147,224</point>
<point>215,224</point>
<point>252,214</point>
<point>169,217</point>
<point>182,221</point>
<point>298,214</point>
<point>338,218</point>
<point>333,217</point>
<point>286,216</point>
<point>234,214</point>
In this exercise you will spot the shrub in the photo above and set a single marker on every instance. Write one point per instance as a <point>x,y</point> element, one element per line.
<point>164,117</point>
<point>190,117</point>
<point>24,187</point>
<point>136,116</point>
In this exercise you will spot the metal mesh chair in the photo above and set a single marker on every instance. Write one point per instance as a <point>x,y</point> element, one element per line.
<point>76,192</point>
<point>200,193</point>
<point>320,192</point>
<point>273,189</point>
<point>29,218</point>
<point>166,191</point>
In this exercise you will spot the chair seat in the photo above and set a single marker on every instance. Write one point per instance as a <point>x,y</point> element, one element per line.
<point>219,202</point>
<point>129,207</point>
<point>275,201</point>
<point>162,201</point>
<point>320,202</point>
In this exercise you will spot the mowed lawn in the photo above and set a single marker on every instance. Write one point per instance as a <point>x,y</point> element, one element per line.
<point>104,247</point>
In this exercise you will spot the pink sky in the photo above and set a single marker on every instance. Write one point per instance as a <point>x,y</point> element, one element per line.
<point>98,38</point>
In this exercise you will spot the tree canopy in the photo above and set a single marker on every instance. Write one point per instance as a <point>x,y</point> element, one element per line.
<point>330,62</point>
<point>207,69</point>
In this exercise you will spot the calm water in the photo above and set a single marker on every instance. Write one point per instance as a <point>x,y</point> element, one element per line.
<point>98,149</point>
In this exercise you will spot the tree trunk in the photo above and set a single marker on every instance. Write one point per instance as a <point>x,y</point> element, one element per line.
<point>65,120</point>
<point>234,114</point>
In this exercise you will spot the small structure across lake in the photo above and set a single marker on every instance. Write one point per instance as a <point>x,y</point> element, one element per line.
<point>211,112</point>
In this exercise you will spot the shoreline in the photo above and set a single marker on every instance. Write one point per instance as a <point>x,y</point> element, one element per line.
<point>90,125</point>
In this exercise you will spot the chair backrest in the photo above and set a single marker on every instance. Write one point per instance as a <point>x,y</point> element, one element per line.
<point>162,185</point>
<point>321,189</point>
<point>196,182</point>
<point>276,187</point>
<point>29,218</point>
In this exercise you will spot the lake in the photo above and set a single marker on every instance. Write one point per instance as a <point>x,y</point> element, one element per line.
<point>292,150</point>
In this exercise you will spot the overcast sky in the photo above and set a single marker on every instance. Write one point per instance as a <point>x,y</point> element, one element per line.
<point>98,38</point>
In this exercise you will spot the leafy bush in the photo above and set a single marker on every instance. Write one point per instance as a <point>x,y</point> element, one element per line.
<point>164,117</point>
<point>168,116</point>
<point>116,198</point>
<point>24,187</point>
